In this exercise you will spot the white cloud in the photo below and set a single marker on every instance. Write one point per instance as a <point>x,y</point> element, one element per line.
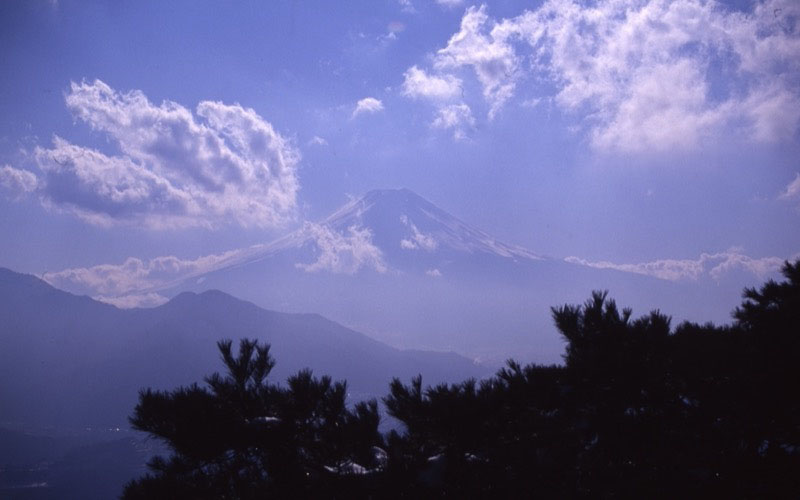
<point>418,239</point>
<point>711,265</point>
<point>139,277</point>
<point>367,105</point>
<point>135,282</point>
<point>487,52</point>
<point>773,112</point>
<point>450,3</point>
<point>792,191</point>
<point>441,90</point>
<point>666,109</point>
<point>343,253</point>
<point>643,75</point>
<point>317,141</point>
<point>407,6</point>
<point>434,273</point>
<point>18,181</point>
<point>455,117</point>
<point>419,84</point>
<point>134,300</point>
<point>223,164</point>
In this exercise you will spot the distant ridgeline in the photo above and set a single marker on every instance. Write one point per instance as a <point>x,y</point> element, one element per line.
<point>638,410</point>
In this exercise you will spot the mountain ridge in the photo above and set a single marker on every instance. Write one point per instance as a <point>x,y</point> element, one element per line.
<point>67,360</point>
<point>393,265</point>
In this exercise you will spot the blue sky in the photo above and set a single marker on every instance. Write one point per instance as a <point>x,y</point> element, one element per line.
<point>623,133</point>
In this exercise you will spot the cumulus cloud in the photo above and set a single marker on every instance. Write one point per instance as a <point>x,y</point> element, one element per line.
<point>792,191</point>
<point>711,265</point>
<point>221,164</point>
<point>441,90</point>
<point>418,239</point>
<point>419,84</point>
<point>342,253</point>
<point>317,141</point>
<point>455,117</point>
<point>488,52</point>
<point>18,181</point>
<point>434,273</point>
<point>368,105</point>
<point>642,75</point>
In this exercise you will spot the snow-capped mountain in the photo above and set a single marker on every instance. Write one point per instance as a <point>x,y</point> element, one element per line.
<point>393,230</point>
<point>395,266</point>
<point>402,270</point>
<point>403,221</point>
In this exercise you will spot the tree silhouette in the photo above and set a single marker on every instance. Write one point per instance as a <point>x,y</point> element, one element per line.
<point>242,437</point>
<point>637,410</point>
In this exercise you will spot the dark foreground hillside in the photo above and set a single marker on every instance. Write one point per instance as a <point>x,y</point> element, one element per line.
<point>638,410</point>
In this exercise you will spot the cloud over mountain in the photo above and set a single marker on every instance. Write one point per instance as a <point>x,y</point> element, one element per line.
<point>222,164</point>
<point>134,282</point>
<point>714,266</point>
<point>342,252</point>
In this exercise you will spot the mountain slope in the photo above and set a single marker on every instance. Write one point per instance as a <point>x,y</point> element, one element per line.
<point>71,361</point>
<point>407,273</point>
<point>402,221</point>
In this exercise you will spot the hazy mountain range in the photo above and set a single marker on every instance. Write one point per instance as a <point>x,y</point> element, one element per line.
<point>68,360</point>
<point>407,273</point>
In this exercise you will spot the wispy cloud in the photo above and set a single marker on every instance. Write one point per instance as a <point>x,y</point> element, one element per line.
<point>418,239</point>
<point>368,105</point>
<point>137,282</point>
<point>455,117</point>
<point>792,191</point>
<point>344,253</point>
<point>714,266</point>
<point>407,7</point>
<point>223,164</point>
<point>134,300</point>
<point>119,283</point>
<point>17,181</point>
<point>653,75</point>
<point>450,3</point>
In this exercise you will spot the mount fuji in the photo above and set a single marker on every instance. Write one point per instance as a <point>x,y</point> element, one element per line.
<point>398,268</point>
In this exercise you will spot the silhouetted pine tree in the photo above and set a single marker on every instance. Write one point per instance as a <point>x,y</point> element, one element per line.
<point>638,410</point>
<point>242,437</point>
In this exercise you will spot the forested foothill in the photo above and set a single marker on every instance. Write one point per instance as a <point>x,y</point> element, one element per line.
<point>638,409</point>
